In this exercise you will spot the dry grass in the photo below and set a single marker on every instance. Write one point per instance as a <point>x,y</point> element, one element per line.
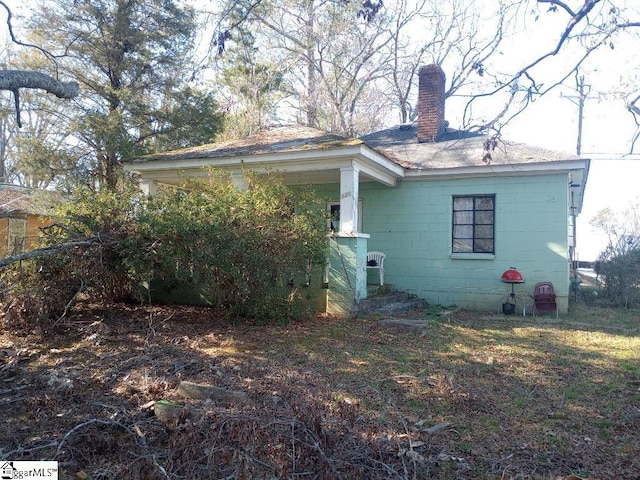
<point>468,397</point>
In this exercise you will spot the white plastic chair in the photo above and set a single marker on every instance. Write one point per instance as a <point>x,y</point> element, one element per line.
<point>376,260</point>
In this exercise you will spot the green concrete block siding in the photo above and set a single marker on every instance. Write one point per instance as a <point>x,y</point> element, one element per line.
<point>412,225</point>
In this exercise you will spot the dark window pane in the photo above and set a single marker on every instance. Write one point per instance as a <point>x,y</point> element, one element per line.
<point>483,246</point>
<point>463,231</point>
<point>460,218</point>
<point>484,231</point>
<point>463,246</point>
<point>473,224</point>
<point>484,203</point>
<point>484,218</point>
<point>463,203</point>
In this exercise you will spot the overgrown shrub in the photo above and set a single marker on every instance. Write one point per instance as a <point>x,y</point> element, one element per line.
<point>236,248</point>
<point>102,224</point>
<point>618,265</point>
<point>620,275</point>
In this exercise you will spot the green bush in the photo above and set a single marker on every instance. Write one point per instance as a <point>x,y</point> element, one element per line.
<point>620,275</point>
<point>45,287</point>
<point>239,248</point>
<point>231,248</point>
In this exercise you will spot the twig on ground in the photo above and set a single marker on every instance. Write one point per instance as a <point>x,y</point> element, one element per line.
<point>135,433</point>
<point>151,327</point>
<point>82,425</point>
<point>293,448</point>
<point>398,377</point>
<point>14,389</point>
<point>21,450</point>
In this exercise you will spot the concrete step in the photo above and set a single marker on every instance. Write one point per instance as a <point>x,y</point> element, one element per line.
<point>399,307</point>
<point>391,303</point>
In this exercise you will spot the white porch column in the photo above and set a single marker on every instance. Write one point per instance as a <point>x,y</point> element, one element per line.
<point>349,181</point>
<point>148,187</point>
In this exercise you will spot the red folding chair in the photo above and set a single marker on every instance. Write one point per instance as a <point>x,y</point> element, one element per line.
<point>544,298</point>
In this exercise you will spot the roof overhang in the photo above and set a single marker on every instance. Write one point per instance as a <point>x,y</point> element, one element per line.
<point>295,167</point>
<point>577,171</point>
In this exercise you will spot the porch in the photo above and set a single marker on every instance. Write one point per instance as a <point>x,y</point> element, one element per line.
<point>347,164</point>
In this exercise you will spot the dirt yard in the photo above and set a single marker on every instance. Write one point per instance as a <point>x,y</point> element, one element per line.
<point>177,393</point>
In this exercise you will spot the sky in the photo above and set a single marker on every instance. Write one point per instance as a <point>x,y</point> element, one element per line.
<point>608,128</point>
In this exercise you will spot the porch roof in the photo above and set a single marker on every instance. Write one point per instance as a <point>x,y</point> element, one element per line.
<point>300,154</point>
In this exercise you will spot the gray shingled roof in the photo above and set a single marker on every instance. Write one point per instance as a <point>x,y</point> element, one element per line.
<point>285,139</point>
<point>455,149</point>
<point>15,199</point>
<point>456,152</point>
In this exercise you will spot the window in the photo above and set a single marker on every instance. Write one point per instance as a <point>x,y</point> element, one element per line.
<point>17,234</point>
<point>334,211</point>
<point>473,224</point>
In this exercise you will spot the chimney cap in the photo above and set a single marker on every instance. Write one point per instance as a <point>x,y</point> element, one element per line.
<point>432,68</point>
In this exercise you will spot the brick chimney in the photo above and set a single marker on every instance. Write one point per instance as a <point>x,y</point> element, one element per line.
<point>431,123</point>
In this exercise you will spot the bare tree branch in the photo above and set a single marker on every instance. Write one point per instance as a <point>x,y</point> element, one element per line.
<point>599,34</point>
<point>14,39</point>
<point>635,112</point>
<point>13,80</point>
<point>558,3</point>
<point>577,18</point>
<point>16,79</point>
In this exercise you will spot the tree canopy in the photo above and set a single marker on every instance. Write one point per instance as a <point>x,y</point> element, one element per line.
<point>132,62</point>
<point>348,66</point>
<point>500,57</point>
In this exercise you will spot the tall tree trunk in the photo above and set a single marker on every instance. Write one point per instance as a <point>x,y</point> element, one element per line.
<point>311,107</point>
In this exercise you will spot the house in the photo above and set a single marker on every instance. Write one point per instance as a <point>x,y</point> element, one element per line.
<point>6,470</point>
<point>451,210</point>
<point>23,211</point>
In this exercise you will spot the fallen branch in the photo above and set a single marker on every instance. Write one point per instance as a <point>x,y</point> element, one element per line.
<point>46,251</point>
<point>14,389</point>
<point>16,79</point>
<point>402,377</point>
